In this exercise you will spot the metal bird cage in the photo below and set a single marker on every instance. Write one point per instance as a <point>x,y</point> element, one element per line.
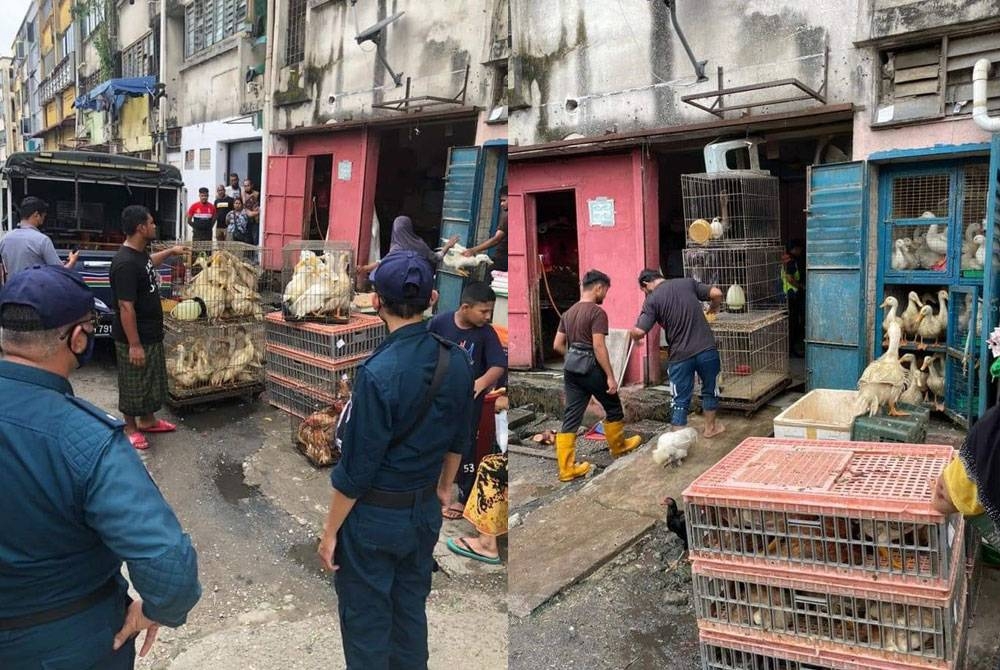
<point>208,361</point>
<point>358,338</point>
<point>223,280</point>
<point>741,208</point>
<point>753,273</point>
<point>287,388</point>
<point>317,279</point>
<point>754,351</point>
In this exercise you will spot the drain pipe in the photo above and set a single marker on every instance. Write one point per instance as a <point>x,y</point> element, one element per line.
<point>980,74</point>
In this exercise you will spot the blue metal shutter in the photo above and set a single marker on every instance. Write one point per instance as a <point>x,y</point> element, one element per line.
<point>461,203</point>
<point>837,233</point>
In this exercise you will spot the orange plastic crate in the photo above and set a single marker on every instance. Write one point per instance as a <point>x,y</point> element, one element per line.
<point>729,652</point>
<point>860,510</point>
<point>360,337</point>
<point>885,622</point>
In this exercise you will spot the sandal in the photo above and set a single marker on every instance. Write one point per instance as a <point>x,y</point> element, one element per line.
<point>468,552</point>
<point>138,441</point>
<point>160,426</point>
<point>452,514</point>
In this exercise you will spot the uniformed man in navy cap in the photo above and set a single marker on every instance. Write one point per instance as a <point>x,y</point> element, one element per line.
<point>402,436</point>
<point>76,500</point>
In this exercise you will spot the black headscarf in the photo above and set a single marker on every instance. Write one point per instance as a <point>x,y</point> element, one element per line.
<point>981,456</point>
<point>403,238</point>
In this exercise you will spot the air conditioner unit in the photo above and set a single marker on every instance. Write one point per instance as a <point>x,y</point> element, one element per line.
<point>34,144</point>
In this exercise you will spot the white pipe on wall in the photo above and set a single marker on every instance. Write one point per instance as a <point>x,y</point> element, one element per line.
<point>980,75</point>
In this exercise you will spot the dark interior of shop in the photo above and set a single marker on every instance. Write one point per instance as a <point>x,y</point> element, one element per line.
<point>413,161</point>
<point>559,283</point>
<point>319,197</point>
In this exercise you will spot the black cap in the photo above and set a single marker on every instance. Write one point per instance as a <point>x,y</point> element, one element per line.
<point>58,295</point>
<point>402,269</point>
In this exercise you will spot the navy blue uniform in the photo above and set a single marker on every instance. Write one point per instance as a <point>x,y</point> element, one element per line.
<point>77,501</point>
<point>386,555</point>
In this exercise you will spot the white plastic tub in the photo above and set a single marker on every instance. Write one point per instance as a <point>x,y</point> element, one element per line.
<point>821,414</point>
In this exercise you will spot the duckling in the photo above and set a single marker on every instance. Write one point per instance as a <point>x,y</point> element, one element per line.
<point>883,381</point>
<point>912,395</point>
<point>910,314</point>
<point>899,259</point>
<point>935,380</point>
<point>890,304</point>
<point>937,241</point>
<point>928,326</point>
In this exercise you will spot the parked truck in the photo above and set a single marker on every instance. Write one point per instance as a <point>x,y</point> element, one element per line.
<point>86,193</point>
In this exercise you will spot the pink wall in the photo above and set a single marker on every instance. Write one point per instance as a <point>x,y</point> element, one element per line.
<point>621,251</point>
<point>352,200</point>
<point>925,135</point>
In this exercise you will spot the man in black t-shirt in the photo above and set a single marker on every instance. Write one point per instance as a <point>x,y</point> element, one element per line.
<point>223,205</point>
<point>138,327</point>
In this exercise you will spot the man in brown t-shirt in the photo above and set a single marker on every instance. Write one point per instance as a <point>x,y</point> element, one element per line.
<point>582,332</point>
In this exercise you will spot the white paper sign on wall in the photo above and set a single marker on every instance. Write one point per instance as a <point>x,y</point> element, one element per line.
<point>602,212</point>
<point>344,169</point>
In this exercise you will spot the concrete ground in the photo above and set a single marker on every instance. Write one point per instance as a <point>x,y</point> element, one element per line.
<point>254,509</point>
<point>597,580</point>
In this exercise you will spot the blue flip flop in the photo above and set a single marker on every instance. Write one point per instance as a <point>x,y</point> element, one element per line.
<point>468,552</point>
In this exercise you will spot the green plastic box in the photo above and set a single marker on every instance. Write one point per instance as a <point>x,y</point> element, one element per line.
<point>901,429</point>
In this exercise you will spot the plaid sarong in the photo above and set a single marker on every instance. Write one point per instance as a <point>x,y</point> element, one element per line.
<point>142,390</point>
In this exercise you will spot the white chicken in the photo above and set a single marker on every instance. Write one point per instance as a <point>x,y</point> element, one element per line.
<point>672,447</point>
<point>461,264</point>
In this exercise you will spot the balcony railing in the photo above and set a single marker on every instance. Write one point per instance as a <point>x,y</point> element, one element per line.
<point>57,82</point>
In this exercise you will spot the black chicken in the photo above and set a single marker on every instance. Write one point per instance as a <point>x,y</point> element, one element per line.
<point>676,521</point>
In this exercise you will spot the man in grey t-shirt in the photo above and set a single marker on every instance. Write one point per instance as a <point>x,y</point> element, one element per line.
<point>676,304</point>
<point>27,246</point>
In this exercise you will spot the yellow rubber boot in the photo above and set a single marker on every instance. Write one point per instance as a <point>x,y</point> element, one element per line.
<point>566,456</point>
<point>618,444</point>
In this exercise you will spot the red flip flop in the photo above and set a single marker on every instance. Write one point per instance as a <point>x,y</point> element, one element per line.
<point>160,426</point>
<point>138,441</point>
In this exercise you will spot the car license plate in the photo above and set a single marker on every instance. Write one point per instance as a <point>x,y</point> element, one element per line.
<point>103,329</point>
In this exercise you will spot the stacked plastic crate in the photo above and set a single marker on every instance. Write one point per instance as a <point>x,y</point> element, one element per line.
<point>825,555</point>
<point>733,241</point>
<point>316,341</point>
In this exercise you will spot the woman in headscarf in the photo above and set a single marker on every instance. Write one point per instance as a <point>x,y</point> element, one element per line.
<point>970,484</point>
<point>404,239</point>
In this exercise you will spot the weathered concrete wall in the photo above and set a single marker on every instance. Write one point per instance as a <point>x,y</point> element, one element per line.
<point>622,67</point>
<point>895,17</point>
<point>868,141</point>
<point>340,80</point>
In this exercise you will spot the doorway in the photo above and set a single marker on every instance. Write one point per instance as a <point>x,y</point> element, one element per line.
<point>318,197</point>
<point>559,277</point>
<point>411,175</point>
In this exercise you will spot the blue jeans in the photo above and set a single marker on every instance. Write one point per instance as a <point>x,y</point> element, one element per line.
<point>386,557</point>
<point>708,365</point>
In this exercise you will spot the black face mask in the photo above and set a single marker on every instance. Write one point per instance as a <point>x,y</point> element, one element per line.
<point>83,357</point>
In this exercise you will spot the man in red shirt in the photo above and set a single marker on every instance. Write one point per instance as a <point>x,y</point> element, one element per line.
<point>201,217</point>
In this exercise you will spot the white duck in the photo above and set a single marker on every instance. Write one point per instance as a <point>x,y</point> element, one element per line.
<point>884,380</point>
<point>899,259</point>
<point>980,254</point>
<point>913,394</point>
<point>935,380</point>
<point>942,315</point>
<point>910,315</point>
<point>937,241</point>
<point>891,305</point>
<point>911,257</point>
<point>928,326</point>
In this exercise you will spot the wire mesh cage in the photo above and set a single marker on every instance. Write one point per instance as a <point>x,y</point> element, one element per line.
<point>894,622</point>
<point>749,277</point>
<point>740,207</point>
<point>219,281</point>
<point>921,247</point>
<point>357,338</point>
<point>753,347</point>
<point>213,360</point>
<point>317,277</point>
<point>913,196</point>
<point>850,508</point>
<point>961,385</point>
<point>302,400</point>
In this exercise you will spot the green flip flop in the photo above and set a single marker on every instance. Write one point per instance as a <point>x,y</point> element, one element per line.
<point>468,552</point>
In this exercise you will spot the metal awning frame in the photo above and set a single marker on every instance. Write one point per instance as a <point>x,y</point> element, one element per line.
<point>718,107</point>
<point>410,104</point>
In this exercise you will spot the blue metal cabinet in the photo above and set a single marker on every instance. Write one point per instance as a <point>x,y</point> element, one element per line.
<point>836,231</point>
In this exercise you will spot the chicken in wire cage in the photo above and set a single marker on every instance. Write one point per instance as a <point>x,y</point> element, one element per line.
<point>319,284</point>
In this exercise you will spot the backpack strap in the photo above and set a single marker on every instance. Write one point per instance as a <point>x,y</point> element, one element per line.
<point>440,370</point>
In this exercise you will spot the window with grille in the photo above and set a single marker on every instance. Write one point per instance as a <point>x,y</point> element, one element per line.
<point>208,22</point>
<point>92,19</point>
<point>174,138</point>
<point>205,159</point>
<point>934,79</point>
<point>139,58</point>
<point>295,44</point>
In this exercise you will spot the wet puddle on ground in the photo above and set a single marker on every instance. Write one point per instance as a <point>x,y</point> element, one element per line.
<point>229,480</point>
<point>304,553</point>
